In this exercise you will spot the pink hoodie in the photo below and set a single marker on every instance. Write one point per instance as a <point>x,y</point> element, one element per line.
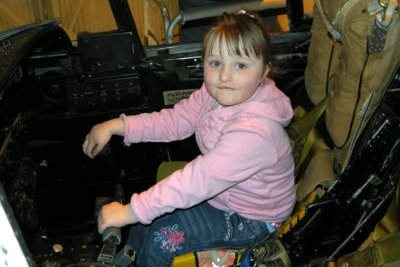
<point>246,164</point>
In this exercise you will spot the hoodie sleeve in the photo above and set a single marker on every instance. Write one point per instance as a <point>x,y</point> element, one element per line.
<point>239,154</point>
<point>167,125</point>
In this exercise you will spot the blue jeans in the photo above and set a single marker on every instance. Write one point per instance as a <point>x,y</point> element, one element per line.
<point>199,228</point>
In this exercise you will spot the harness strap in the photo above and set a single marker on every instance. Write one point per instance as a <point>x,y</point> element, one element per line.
<point>330,28</point>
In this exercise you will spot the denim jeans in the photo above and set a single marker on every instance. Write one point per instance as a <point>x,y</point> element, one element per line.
<point>199,228</point>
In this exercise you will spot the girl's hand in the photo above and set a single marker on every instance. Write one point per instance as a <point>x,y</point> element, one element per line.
<point>100,135</point>
<point>115,214</point>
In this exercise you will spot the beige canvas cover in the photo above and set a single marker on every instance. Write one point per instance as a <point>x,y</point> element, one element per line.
<point>354,54</point>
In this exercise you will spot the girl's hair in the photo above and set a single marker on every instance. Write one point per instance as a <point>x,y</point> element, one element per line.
<point>243,33</point>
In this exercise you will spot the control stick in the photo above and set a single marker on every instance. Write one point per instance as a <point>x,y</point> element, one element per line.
<point>112,236</point>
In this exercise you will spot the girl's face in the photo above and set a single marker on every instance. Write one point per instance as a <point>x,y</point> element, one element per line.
<point>232,79</point>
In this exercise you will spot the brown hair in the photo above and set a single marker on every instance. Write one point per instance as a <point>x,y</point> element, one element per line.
<point>243,33</point>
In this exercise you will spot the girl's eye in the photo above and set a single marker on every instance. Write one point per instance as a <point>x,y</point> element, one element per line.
<point>241,66</point>
<point>215,63</point>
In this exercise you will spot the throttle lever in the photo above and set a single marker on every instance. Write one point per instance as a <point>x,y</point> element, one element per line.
<point>111,236</point>
<point>111,239</point>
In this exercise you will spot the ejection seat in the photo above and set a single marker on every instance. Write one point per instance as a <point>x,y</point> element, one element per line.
<point>314,169</point>
<point>330,159</point>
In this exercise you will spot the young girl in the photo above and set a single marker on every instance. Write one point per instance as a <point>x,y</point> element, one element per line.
<point>242,186</point>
